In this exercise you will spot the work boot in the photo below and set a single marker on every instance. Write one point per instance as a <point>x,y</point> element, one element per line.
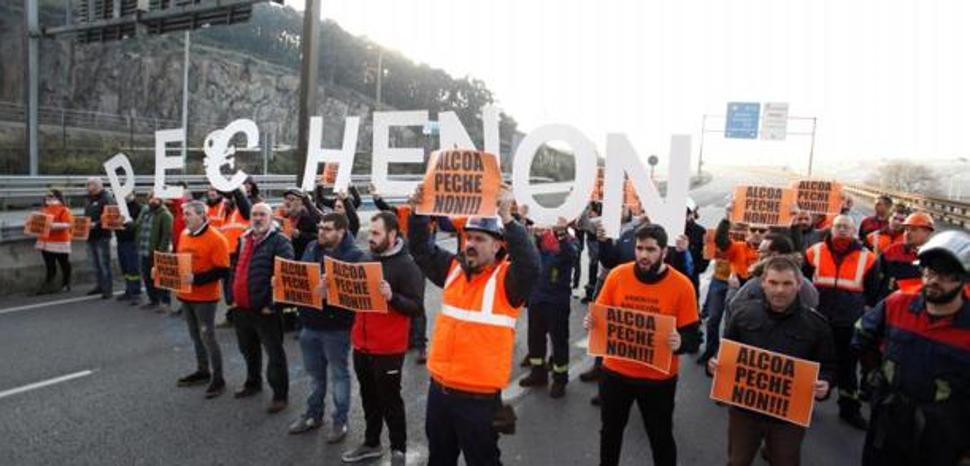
<point>591,375</point>
<point>276,406</point>
<point>525,362</point>
<point>537,378</point>
<point>362,453</point>
<point>558,388</point>
<point>248,390</point>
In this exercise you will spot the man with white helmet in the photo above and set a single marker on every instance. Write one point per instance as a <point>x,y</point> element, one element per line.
<point>917,347</point>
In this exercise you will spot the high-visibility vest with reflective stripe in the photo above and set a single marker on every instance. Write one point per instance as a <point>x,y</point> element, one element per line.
<point>217,214</point>
<point>474,334</point>
<point>851,273</point>
<point>881,241</point>
<point>234,227</point>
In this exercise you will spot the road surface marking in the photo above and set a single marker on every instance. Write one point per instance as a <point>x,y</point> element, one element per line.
<point>45,383</point>
<point>28,307</point>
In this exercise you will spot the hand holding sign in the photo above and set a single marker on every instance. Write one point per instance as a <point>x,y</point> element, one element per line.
<point>385,289</point>
<point>674,341</point>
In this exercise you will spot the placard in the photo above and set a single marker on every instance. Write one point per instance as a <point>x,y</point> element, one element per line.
<point>763,205</point>
<point>461,183</point>
<point>111,218</point>
<point>770,383</point>
<point>170,269</point>
<point>297,283</point>
<point>80,228</point>
<point>355,286</point>
<point>632,335</point>
<point>38,224</point>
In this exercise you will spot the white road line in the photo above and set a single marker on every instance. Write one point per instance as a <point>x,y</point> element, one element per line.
<point>28,307</point>
<point>45,383</point>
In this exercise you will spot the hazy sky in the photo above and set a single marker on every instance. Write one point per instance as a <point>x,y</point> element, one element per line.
<point>885,78</point>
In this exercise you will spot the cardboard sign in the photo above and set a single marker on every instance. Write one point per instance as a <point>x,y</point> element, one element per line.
<point>296,283</point>
<point>631,335</point>
<point>111,218</point>
<point>329,176</point>
<point>762,205</point>
<point>38,224</point>
<point>630,198</point>
<point>461,183</point>
<point>355,286</point>
<point>81,228</point>
<point>770,383</point>
<point>169,270</point>
<point>818,197</point>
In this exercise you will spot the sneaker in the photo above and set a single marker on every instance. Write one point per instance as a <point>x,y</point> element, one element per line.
<point>362,453</point>
<point>305,424</point>
<point>337,433</point>
<point>216,388</point>
<point>398,458</point>
<point>276,406</point>
<point>195,378</point>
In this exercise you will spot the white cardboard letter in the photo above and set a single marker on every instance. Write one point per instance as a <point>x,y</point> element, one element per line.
<point>453,133</point>
<point>317,155</point>
<point>384,154</point>
<point>585,154</point>
<point>163,162</point>
<point>218,153</point>
<point>621,159</point>
<point>121,191</point>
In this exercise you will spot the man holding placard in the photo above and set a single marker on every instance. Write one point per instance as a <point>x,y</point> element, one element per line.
<point>325,335</point>
<point>380,341</point>
<point>842,271</point>
<point>257,320</point>
<point>99,238</point>
<point>779,323</point>
<point>153,232</point>
<point>645,290</point>
<point>484,288</point>
<point>210,264</point>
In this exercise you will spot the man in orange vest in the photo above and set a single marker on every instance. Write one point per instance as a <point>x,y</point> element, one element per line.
<point>880,240</point>
<point>647,285</point>
<point>215,207</point>
<point>484,288</point>
<point>896,264</point>
<point>842,271</point>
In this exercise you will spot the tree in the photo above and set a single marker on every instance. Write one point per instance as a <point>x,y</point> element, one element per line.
<point>907,177</point>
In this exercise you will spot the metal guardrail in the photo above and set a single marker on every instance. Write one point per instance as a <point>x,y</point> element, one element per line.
<point>955,213</point>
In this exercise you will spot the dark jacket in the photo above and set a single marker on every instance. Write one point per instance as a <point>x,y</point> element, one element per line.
<point>895,265</point>
<point>128,233</point>
<point>436,262</point>
<point>331,317</point>
<point>376,333</point>
<point>161,230</point>
<point>800,332</point>
<point>556,271</point>
<point>261,265</point>
<point>613,253</point>
<point>351,207</point>
<point>93,210</point>
<point>804,239</point>
<point>695,234</point>
<point>842,307</point>
<point>305,230</point>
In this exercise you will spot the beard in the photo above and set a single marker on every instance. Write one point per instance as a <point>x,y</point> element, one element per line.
<point>943,297</point>
<point>651,271</point>
<point>379,248</point>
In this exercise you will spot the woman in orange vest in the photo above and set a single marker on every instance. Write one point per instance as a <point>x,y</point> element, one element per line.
<point>471,348</point>
<point>55,246</point>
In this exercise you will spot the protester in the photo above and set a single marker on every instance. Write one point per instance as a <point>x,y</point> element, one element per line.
<point>549,307</point>
<point>883,208</point>
<point>210,264</point>
<point>896,265</point>
<point>99,238</point>
<point>916,348</point>
<point>880,240</point>
<point>777,322</point>
<point>380,341</point>
<point>55,246</point>
<point>127,248</point>
<point>484,288</point>
<point>153,233</point>
<point>842,272</point>
<point>647,282</point>
<point>303,217</point>
<point>325,334</point>
<point>774,245</point>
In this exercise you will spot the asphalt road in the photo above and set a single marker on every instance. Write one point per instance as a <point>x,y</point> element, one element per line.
<point>118,403</point>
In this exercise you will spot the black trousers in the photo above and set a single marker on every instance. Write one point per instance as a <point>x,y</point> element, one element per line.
<point>656,403</point>
<point>848,372</point>
<point>548,318</point>
<point>253,330</point>
<point>457,424</point>
<point>51,259</point>
<point>746,430</point>
<point>379,377</point>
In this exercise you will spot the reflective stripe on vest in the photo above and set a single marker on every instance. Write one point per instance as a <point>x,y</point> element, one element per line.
<point>832,279</point>
<point>484,316</point>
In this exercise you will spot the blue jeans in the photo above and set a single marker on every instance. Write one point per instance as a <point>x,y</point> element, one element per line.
<point>128,260</point>
<point>714,308</point>
<point>323,350</point>
<point>155,295</point>
<point>99,253</point>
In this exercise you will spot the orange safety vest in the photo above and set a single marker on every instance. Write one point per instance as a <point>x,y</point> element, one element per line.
<point>233,228</point>
<point>216,214</point>
<point>880,241</point>
<point>474,334</point>
<point>851,273</point>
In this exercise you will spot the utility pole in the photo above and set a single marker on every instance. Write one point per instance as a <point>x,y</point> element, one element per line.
<point>31,76</point>
<point>380,75</point>
<point>185,96</point>
<point>309,44</point>
<point>811,150</point>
